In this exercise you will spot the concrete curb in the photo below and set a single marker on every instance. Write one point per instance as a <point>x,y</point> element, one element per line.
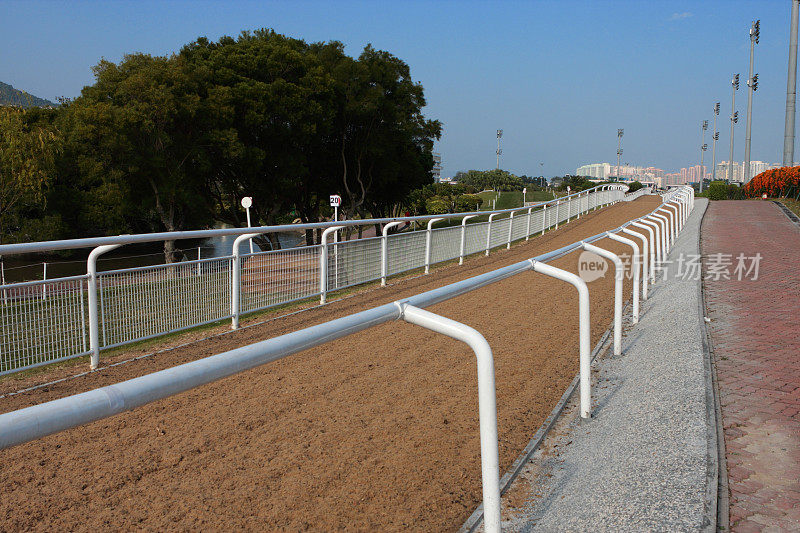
<point>717,499</point>
<point>786,211</point>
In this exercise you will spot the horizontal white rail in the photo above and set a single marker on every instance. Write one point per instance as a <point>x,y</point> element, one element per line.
<point>47,418</point>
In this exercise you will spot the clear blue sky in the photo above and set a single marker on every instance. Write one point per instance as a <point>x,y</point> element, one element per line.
<point>559,77</point>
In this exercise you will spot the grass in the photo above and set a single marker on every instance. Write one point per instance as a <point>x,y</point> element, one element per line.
<point>791,203</point>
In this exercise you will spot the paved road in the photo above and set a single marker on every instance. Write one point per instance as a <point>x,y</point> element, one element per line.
<point>755,330</point>
<point>647,460</point>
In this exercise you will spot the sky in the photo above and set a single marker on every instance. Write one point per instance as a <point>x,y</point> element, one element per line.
<point>559,77</point>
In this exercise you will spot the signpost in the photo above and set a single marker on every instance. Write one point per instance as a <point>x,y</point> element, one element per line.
<point>336,201</point>
<point>524,192</point>
<point>247,203</point>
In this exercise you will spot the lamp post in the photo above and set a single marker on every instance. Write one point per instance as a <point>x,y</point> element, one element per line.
<point>620,133</point>
<point>752,84</point>
<point>734,120</point>
<point>499,150</point>
<point>247,203</point>
<point>703,148</point>
<point>714,139</point>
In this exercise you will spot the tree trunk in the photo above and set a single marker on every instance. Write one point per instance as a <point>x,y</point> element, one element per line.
<point>169,252</point>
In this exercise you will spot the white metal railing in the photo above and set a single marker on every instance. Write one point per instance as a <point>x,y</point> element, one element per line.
<point>636,194</point>
<point>44,419</point>
<point>107,309</point>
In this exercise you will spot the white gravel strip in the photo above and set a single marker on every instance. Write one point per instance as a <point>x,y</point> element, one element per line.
<point>645,462</point>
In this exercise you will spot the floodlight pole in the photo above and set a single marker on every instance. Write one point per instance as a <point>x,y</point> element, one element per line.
<point>703,148</point>
<point>734,87</point>
<point>714,138</point>
<point>791,90</point>
<point>499,151</point>
<point>752,85</point>
<point>620,133</point>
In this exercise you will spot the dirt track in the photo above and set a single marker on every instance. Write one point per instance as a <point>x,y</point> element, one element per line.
<point>378,430</point>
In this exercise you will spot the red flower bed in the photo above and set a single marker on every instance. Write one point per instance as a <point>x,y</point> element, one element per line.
<point>777,182</point>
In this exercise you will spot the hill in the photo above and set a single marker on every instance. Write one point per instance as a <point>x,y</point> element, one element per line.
<point>9,96</point>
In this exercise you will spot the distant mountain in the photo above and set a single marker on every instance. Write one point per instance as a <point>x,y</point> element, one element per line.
<point>10,96</point>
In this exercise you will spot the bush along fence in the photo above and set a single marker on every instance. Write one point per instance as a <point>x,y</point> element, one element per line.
<point>662,227</point>
<point>56,319</point>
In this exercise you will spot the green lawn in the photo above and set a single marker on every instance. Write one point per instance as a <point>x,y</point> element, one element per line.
<point>792,204</point>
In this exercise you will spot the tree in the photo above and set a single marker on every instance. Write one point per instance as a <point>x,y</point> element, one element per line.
<point>27,152</point>
<point>144,115</point>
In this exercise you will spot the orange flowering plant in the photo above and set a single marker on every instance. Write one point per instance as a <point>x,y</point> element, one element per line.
<point>778,182</point>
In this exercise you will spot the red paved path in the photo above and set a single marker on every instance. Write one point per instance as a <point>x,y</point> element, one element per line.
<point>755,330</point>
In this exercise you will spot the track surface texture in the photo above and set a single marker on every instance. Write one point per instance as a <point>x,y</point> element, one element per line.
<point>378,430</point>
<point>754,329</point>
<point>643,462</point>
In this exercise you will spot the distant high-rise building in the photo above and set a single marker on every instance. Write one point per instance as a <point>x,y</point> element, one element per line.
<point>437,166</point>
<point>595,170</point>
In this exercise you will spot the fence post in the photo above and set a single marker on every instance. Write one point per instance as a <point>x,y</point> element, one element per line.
<point>558,202</point>
<point>528,231</point>
<point>544,218</point>
<point>644,259</point>
<point>652,243</point>
<point>198,261</point>
<point>385,250</point>
<point>487,403</point>
<point>323,262</point>
<point>635,266</point>
<point>489,232</point>
<point>619,272</point>
<point>661,219</point>
<point>94,323</point>
<point>585,362</point>
<point>428,243</point>
<point>463,246</point>
<point>658,245</point>
<point>44,278</point>
<point>236,278</point>
<point>510,228</point>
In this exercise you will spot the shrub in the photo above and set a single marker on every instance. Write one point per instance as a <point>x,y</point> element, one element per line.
<point>778,182</point>
<point>436,206</point>
<point>634,186</point>
<point>718,190</point>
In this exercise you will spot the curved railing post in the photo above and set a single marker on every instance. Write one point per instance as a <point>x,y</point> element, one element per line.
<point>323,263</point>
<point>658,245</point>
<point>635,266</point>
<point>644,259</point>
<point>236,279</point>
<point>676,219</point>
<point>489,233</point>
<point>487,403</point>
<point>671,223</point>
<point>510,229</point>
<point>462,247</point>
<point>385,250</point>
<point>662,220</point>
<point>641,223</point>
<point>428,243</point>
<point>585,362</point>
<point>619,273</point>
<point>94,321</point>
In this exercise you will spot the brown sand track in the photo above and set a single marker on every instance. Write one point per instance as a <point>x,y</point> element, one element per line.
<point>378,430</point>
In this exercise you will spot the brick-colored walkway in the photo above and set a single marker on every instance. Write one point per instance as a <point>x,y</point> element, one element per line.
<point>755,330</point>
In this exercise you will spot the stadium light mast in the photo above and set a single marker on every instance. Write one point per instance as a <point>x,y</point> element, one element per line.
<point>791,90</point>
<point>703,148</point>
<point>734,120</point>
<point>620,133</point>
<point>752,84</point>
<point>714,139</point>
<point>499,150</point>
